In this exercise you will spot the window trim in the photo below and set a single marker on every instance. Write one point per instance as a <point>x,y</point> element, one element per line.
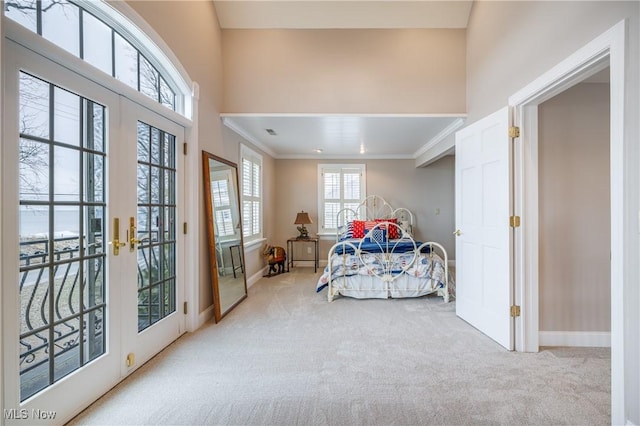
<point>337,166</point>
<point>255,158</point>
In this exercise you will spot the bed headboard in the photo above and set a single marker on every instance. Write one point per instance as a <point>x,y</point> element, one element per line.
<point>371,208</point>
<point>374,207</point>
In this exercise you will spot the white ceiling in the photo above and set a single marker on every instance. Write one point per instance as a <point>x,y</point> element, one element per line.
<point>342,136</point>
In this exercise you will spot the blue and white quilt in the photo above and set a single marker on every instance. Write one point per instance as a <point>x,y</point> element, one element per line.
<point>375,262</point>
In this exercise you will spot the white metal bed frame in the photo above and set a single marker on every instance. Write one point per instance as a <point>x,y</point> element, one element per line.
<point>375,207</point>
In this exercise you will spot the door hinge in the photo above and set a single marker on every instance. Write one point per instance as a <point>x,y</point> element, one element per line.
<point>184,148</point>
<point>515,311</point>
<point>514,221</point>
<point>514,132</point>
<point>184,228</point>
<point>185,310</point>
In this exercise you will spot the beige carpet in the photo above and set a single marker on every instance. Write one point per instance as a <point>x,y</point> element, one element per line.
<point>285,356</point>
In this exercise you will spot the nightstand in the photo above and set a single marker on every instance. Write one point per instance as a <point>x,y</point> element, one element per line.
<point>291,242</point>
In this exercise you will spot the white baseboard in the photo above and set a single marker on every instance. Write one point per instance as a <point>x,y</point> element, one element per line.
<point>204,317</point>
<point>257,276</point>
<point>600,339</point>
<point>305,263</point>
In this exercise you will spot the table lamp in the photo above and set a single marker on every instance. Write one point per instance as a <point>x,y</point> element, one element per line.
<point>303,219</point>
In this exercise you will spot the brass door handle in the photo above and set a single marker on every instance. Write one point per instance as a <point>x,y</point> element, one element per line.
<point>132,234</point>
<point>457,232</point>
<point>115,243</point>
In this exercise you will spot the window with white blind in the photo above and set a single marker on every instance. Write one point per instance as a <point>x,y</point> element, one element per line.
<point>222,199</point>
<point>339,186</point>
<point>251,193</point>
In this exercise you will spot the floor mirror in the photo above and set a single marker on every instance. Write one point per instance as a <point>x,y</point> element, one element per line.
<point>224,229</point>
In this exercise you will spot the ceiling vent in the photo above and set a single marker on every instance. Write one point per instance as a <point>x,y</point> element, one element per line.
<point>271,132</point>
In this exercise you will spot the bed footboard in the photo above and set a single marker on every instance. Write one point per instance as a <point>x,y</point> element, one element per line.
<point>389,262</point>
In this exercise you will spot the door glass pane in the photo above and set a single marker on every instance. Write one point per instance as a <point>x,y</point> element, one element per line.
<point>61,281</point>
<point>94,184</point>
<point>66,168</point>
<point>33,158</point>
<point>66,118</point>
<point>156,225</point>
<point>34,106</point>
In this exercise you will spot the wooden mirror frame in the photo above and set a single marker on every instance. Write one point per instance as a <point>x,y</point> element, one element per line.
<point>209,208</point>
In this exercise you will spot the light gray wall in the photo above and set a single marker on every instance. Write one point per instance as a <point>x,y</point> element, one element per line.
<point>421,190</point>
<point>575,219</point>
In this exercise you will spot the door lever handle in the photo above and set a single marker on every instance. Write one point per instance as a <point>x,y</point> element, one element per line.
<point>116,243</point>
<point>132,234</point>
<point>457,232</point>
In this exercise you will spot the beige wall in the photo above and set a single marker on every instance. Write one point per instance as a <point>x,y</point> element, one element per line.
<point>344,71</point>
<point>510,43</point>
<point>199,49</point>
<point>421,190</point>
<point>254,261</point>
<point>575,222</point>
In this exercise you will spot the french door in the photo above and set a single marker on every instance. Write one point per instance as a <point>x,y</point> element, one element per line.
<point>152,294</point>
<point>89,286</point>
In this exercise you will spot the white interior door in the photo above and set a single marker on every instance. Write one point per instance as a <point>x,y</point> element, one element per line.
<point>483,264</point>
<point>151,182</point>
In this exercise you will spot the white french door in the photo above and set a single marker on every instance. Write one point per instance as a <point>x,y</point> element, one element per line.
<point>72,155</point>
<point>483,241</point>
<point>151,176</point>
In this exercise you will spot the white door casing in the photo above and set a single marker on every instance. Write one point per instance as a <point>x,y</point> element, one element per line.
<point>483,244</point>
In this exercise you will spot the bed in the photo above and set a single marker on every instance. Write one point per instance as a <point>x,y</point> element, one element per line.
<point>376,256</point>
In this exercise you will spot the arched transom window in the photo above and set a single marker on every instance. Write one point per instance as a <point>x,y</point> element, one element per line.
<point>86,31</point>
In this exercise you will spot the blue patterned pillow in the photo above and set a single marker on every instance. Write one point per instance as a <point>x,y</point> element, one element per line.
<point>378,235</point>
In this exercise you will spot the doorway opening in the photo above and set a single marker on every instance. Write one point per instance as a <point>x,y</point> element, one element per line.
<point>575,216</point>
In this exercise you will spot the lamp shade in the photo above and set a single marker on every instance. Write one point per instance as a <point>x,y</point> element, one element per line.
<point>302,219</point>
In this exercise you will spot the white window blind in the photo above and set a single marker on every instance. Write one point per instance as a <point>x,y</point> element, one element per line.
<point>251,193</point>
<point>223,217</point>
<point>340,186</point>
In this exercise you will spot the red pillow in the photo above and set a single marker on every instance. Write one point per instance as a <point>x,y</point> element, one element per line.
<point>358,228</point>
<point>361,227</point>
<point>392,231</point>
